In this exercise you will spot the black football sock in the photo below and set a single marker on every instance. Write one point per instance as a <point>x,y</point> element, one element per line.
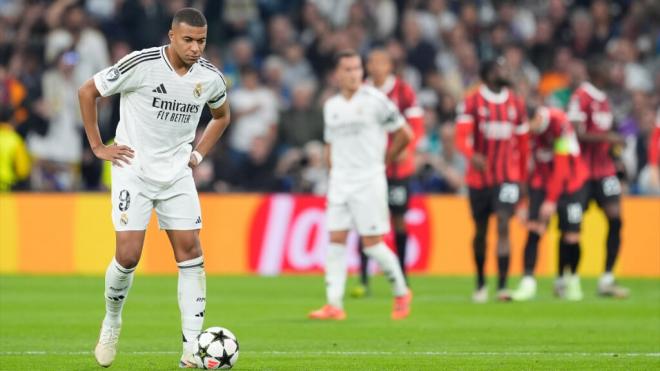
<point>479,247</point>
<point>613,243</point>
<point>364,265</point>
<point>564,258</point>
<point>531,251</point>
<point>401,239</point>
<point>574,249</point>
<point>503,271</point>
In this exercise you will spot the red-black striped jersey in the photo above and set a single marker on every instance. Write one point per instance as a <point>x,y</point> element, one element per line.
<point>404,97</point>
<point>494,125</point>
<point>590,110</point>
<point>558,167</point>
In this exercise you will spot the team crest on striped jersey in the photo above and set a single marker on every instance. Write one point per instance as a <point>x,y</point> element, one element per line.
<point>197,92</point>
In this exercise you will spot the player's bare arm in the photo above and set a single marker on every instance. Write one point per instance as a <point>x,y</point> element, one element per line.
<point>596,137</point>
<point>87,95</point>
<point>213,132</point>
<point>400,140</point>
<point>326,155</point>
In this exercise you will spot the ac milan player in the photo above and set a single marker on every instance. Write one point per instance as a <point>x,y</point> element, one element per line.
<point>380,69</point>
<point>555,184</point>
<point>589,111</point>
<point>492,132</point>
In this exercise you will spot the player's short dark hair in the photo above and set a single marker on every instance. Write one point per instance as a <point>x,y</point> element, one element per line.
<point>597,67</point>
<point>346,53</point>
<point>381,49</point>
<point>189,16</point>
<point>488,66</point>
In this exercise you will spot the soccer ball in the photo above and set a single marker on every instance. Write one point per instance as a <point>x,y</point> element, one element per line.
<point>216,348</point>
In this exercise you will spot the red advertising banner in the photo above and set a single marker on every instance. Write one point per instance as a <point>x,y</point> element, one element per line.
<point>288,234</point>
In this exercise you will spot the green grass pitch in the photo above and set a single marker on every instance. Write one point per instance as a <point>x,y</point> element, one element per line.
<point>51,323</point>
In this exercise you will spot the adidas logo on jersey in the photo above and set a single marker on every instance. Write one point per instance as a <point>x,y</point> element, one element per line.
<point>160,89</point>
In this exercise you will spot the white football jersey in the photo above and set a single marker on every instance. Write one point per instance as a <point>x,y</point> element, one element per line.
<point>357,131</point>
<point>160,110</point>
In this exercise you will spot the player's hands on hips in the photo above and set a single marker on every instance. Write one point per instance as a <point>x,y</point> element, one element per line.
<point>193,162</point>
<point>478,162</point>
<point>114,153</point>
<point>547,209</point>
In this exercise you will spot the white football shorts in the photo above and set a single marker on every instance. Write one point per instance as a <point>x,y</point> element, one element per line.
<point>177,205</point>
<point>361,205</point>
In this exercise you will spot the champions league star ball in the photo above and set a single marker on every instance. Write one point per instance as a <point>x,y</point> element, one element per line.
<point>216,348</point>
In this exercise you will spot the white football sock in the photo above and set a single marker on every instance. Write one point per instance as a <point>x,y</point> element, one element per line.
<point>192,299</point>
<point>389,264</point>
<point>118,281</point>
<point>335,274</point>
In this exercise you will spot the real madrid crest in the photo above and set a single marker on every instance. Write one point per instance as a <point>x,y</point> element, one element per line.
<point>197,92</point>
<point>123,219</point>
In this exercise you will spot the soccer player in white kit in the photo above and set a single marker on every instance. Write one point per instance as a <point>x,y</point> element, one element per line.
<point>163,91</point>
<point>357,123</point>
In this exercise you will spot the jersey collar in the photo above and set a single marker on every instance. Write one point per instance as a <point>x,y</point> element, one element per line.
<point>593,91</point>
<point>497,98</point>
<point>167,62</point>
<point>387,86</point>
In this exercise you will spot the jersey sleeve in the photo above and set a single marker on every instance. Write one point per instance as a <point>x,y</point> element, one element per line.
<point>122,77</point>
<point>522,138</point>
<point>465,127</point>
<point>327,133</point>
<point>576,111</point>
<point>388,114</point>
<point>654,144</point>
<point>413,113</point>
<point>219,95</point>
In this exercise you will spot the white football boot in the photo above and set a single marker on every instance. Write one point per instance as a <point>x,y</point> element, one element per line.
<point>106,348</point>
<point>526,290</point>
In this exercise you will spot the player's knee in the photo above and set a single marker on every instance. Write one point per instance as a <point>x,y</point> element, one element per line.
<point>481,228</point>
<point>536,227</point>
<point>338,237</point>
<point>369,241</point>
<point>127,259</point>
<point>480,236</point>
<point>502,227</point>
<point>399,223</point>
<point>612,211</point>
<point>570,237</point>
<point>189,247</point>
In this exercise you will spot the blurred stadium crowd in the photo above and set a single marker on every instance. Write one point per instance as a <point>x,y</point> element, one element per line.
<point>277,56</point>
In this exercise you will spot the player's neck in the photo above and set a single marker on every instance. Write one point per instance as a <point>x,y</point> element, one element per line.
<point>379,81</point>
<point>180,67</point>
<point>348,93</point>
<point>494,88</point>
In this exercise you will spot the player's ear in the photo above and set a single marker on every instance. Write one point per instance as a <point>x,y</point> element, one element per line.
<point>170,34</point>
